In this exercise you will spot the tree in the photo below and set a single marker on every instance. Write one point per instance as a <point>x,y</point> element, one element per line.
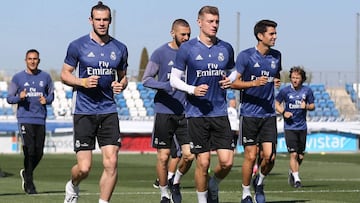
<point>55,75</point>
<point>143,62</point>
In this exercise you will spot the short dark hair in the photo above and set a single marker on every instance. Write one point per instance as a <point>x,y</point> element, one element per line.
<point>32,51</point>
<point>300,70</point>
<point>100,6</point>
<point>261,27</point>
<point>208,9</point>
<point>179,22</point>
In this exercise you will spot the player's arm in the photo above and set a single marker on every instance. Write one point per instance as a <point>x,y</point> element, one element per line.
<point>176,82</point>
<point>14,96</point>
<point>150,73</point>
<point>240,84</point>
<point>67,77</point>
<point>309,107</point>
<point>49,98</point>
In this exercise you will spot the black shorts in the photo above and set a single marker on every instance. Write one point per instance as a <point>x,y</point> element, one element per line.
<point>295,140</point>
<point>175,150</point>
<point>210,133</point>
<point>104,127</point>
<point>165,127</point>
<point>32,136</point>
<point>258,130</point>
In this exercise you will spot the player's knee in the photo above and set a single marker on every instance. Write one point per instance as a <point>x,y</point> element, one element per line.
<point>203,163</point>
<point>84,171</point>
<point>163,157</point>
<point>226,165</point>
<point>110,163</point>
<point>188,157</point>
<point>269,159</point>
<point>251,157</point>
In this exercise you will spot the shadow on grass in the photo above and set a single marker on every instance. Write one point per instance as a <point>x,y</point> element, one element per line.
<point>288,201</point>
<point>4,174</point>
<point>39,193</point>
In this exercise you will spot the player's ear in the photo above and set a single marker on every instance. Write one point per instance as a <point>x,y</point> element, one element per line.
<point>172,34</point>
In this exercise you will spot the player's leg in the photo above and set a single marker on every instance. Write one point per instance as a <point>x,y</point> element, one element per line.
<point>183,139</point>
<point>248,136</point>
<point>109,176</point>
<point>222,140</point>
<point>267,140</point>
<point>27,132</point>
<point>162,140</point>
<point>198,130</point>
<point>85,127</point>
<point>108,137</point>
<point>39,144</point>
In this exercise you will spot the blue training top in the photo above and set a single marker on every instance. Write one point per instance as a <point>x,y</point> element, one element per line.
<point>167,99</point>
<point>95,59</point>
<point>258,101</point>
<point>205,65</point>
<point>292,99</point>
<point>30,110</point>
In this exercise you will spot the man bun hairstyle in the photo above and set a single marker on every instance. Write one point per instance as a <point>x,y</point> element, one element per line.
<point>100,6</point>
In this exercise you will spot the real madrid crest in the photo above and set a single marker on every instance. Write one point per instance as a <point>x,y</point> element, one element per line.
<point>221,57</point>
<point>273,64</point>
<point>113,56</point>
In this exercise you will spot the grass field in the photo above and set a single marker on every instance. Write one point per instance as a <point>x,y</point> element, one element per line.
<point>326,178</point>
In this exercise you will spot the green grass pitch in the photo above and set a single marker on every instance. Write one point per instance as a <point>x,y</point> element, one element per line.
<point>329,178</point>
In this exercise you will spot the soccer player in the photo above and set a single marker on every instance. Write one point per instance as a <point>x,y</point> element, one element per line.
<point>100,62</point>
<point>205,61</point>
<point>293,102</point>
<point>258,72</point>
<point>169,107</point>
<point>31,90</point>
<point>233,119</point>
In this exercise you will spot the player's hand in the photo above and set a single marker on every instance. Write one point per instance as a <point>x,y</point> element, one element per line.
<point>261,81</point>
<point>90,82</point>
<point>22,94</point>
<point>303,104</point>
<point>201,90</point>
<point>277,82</point>
<point>117,87</point>
<point>225,82</point>
<point>287,114</point>
<point>42,100</point>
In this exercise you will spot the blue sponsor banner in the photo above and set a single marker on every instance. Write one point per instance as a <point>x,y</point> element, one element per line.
<point>321,142</point>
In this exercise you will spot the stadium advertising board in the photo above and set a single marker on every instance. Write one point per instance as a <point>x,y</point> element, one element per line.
<point>322,142</point>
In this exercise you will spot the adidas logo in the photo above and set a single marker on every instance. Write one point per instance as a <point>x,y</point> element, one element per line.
<point>257,65</point>
<point>26,84</point>
<point>171,63</point>
<point>91,55</point>
<point>199,58</point>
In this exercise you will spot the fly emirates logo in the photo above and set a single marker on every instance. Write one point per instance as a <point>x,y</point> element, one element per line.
<point>211,71</point>
<point>297,105</point>
<point>102,70</point>
<point>33,93</point>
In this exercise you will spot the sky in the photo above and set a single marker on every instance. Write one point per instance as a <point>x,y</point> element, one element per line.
<point>319,35</point>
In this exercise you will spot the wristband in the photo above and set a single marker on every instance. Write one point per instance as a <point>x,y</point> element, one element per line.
<point>83,82</point>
